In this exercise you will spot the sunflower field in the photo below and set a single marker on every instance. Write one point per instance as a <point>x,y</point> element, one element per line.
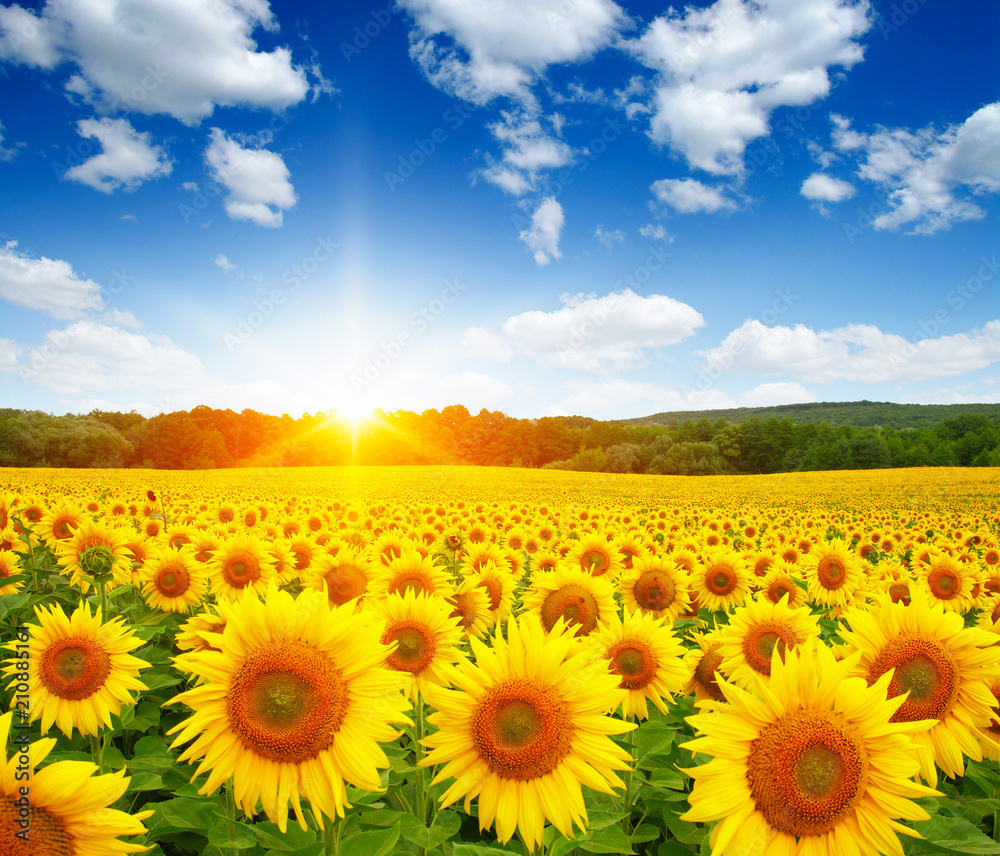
<point>471,661</point>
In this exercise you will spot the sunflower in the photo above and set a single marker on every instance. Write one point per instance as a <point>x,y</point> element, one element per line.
<point>702,667</point>
<point>572,594</point>
<point>410,572</point>
<point>295,703</point>
<point>194,634</point>
<point>79,670</point>
<point>595,555</point>
<point>60,522</point>
<point>94,549</point>
<point>525,726</point>
<point>240,563</point>
<point>720,580</point>
<point>67,810</point>
<point>643,651</point>
<point>948,581</point>
<point>808,763</point>
<point>656,586</point>
<point>10,566</point>
<point>425,634</point>
<point>834,574</point>
<point>780,583</point>
<point>944,667</point>
<point>470,604</point>
<point>499,586</point>
<point>756,630</point>
<point>345,576</point>
<point>174,581</point>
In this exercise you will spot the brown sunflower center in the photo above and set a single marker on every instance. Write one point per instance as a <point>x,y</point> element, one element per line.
<point>287,701</point>
<point>173,581</point>
<point>831,572</point>
<point>595,562</point>
<point>806,772</point>
<point>522,729</point>
<point>63,527</point>
<point>654,590</point>
<point>344,583</point>
<point>464,609</point>
<point>925,670</point>
<point>241,570</point>
<point>411,581</point>
<point>74,668</point>
<point>994,726</point>
<point>706,671</point>
<point>720,580</point>
<point>46,832</point>
<point>494,589</point>
<point>943,583</point>
<point>415,646</point>
<point>634,661</point>
<point>760,641</point>
<point>573,603</point>
<point>779,589</point>
<point>900,593</point>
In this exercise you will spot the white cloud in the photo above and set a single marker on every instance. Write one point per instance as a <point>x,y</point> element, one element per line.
<point>146,56</point>
<point>483,49</point>
<point>89,358</point>
<point>528,149</point>
<point>478,342</point>
<point>689,196</point>
<point>127,160</point>
<point>856,352</point>
<point>7,154</point>
<point>844,139</point>
<point>825,188</point>
<point>657,232</point>
<point>224,263</point>
<point>10,353</point>
<point>609,239</point>
<point>724,69</point>
<point>121,318</point>
<point>190,186</point>
<point>50,285</point>
<point>546,227</point>
<point>639,398</point>
<point>474,388</point>
<point>771,394</point>
<point>927,170</point>
<point>590,333</point>
<point>257,180</point>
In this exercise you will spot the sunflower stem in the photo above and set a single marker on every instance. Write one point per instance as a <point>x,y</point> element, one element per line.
<point>97,750</point>
<point>231,817</point>
<point>996,819</point>
<point>629,775</point>
<point>418,751</point>
<point>332,833</point>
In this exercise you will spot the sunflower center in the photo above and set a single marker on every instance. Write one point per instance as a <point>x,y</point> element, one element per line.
<point>47,834</point>
<point>63,528</point>
<point>241,571</point>
<point>831,572</point>
<point>994,726</point>
<point>575,604</point>
<point>415,647</point>
<point>287,701</point>
<point>806,772</point>
<point>416,583</point>
<point>464,609</point>
<point>173,581</point>
<point>634,661</point>
<point>345,583</point>
<point>759,643</point>
<point>943,583</point>
<point>494,589</point>
<point>74,668</point>
<point>779,589</point>
<point>595,562</point>
<point>654,590</point>
<point>900,593</point>
<point>922,668</point>
<point>720,580</point>
<point>706,670</point>
<point>521,729</point>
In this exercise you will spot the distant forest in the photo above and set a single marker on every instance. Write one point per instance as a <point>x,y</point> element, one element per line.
<point>203,438</point>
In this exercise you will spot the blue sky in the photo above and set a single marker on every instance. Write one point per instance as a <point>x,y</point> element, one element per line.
<point>569,206</point>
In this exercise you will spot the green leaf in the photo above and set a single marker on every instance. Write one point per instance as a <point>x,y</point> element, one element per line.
<point>145,717</point>
<point>381,817</point>
<point>610,840</point>
<point>295,839</point>
<point>957,835</point>
<point>186,813</point>
<point>144,781</point>
<point>603,819</point>
<point>445,825</point>
<point>376,842</point>
<point>645,832</point>
<point>674,848</point>
<point>476,850</point>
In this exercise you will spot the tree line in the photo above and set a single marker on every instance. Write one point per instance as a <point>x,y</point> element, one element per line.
<point>206,438</point>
